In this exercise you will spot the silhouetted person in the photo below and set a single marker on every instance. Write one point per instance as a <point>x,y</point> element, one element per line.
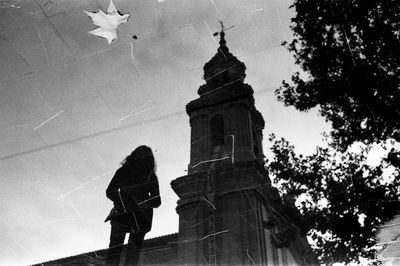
<point>134,191</point>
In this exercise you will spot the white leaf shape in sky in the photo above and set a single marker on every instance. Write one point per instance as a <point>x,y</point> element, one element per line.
<point>107,23</point>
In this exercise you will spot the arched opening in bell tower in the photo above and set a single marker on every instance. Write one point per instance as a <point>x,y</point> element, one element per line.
<point>217,131</point>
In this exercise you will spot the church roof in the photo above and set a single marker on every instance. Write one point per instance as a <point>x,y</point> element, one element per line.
<point>160,241</point>
<point>94,257</point>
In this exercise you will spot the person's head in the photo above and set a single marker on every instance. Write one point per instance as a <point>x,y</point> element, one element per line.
<point>142,156</point>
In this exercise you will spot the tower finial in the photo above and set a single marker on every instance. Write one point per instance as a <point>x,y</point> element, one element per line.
<point>222,42</point>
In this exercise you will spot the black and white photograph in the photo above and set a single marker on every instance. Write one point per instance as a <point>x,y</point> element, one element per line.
<point>199,132</point>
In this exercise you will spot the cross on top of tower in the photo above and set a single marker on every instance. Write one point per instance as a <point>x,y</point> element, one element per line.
<point>222,42</point>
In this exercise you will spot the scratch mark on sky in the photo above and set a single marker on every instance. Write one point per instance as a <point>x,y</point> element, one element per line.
<point>386,243</point>
<point>216,8</point>
<point>141,106</point>
<point>69,192</point>
<point>76,211</point>
<point>209,30</point>
<point>107,131</point>
<point>145,37</point>
<point>133,58</point>
<point>98,156</point>
<point>83,184</point>
<point>38,92</point>
<point>139,112</point>
<point>52,117</point>
<point>42,98</point>
<point>43,47</point>
<point>58,34</point>
<point>19,244</point>
<point>258,10</point>
<point>146,48</point>
<point>389,225</point>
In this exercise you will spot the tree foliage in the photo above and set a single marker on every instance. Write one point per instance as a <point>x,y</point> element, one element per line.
<point>342,199</point>
<point>349,51</point>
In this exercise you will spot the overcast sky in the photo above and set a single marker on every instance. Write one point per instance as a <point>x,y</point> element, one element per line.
<point>72,107</point>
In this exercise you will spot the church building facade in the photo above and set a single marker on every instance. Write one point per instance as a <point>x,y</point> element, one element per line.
<point>229,214</point>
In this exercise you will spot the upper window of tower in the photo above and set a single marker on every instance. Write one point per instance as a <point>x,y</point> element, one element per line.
<point>217,130</point>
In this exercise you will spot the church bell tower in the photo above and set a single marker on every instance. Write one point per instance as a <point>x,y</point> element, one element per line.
<point>228,212</point>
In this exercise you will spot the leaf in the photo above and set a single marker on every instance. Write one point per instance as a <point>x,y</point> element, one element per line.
<point>108,23</point>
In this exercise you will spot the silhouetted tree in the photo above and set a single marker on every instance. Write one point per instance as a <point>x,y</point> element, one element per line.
<point>349,51</point>
<point>342,199</point>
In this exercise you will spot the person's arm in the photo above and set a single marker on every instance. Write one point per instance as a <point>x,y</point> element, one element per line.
<point>112,192</point>
<point>154,199</point>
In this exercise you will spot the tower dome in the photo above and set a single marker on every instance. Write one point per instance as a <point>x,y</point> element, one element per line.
<point>223,69</point>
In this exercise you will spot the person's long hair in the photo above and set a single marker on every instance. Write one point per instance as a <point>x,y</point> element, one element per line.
<point>141,161</point>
